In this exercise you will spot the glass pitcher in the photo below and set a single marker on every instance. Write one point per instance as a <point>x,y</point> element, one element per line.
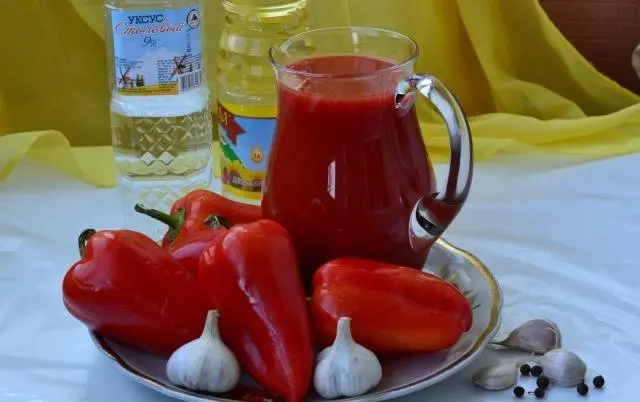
<point>349,174</point>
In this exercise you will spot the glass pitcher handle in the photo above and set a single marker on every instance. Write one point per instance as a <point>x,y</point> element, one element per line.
<point>433,213</point>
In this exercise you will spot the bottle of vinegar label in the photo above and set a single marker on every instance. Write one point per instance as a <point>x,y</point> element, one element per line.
<point>247,89</point>
<point>160,110</point>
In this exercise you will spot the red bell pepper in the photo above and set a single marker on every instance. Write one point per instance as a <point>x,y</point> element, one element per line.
<point>189,214</point>
<point>393,309</point>
<point>252,277</point>
<point>128,288</point>
<point>188,251</point>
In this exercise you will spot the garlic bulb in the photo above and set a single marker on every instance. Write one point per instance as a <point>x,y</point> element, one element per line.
<point>534,336</point>
<point>205,364</point>
<point>563,367</point>
<point>346,368</point>
<point>496,378</point>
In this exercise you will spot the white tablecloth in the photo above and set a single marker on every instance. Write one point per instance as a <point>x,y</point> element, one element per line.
<point>563,240</point>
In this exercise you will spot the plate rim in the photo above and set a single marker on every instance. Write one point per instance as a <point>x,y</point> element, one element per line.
<point>491,329</point>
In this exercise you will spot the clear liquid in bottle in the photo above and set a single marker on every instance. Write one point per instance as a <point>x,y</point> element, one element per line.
<point>160,110</point>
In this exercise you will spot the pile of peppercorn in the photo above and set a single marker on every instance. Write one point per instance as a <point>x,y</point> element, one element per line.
<point>543,382</point>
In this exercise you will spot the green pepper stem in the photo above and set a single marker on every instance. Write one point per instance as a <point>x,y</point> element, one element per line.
<point>83,239</point>
<point>216,221</point>
<point>169,220</point>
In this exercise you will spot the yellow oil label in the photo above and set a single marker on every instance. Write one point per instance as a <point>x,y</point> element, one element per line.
<point>245,141</point>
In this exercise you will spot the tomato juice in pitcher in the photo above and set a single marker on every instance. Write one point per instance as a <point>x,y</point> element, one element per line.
<point>349,174</point>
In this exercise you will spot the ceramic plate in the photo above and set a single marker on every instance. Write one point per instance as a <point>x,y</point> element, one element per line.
<point>401,376</point>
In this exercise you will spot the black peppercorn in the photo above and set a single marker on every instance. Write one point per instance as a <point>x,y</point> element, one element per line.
<point>598,381</point>
<point>543,382</point>
<point>582,389</point>
<point>539,393</point>
<point>536,370</point>
<point>518,392</point>
<point>525,369</point>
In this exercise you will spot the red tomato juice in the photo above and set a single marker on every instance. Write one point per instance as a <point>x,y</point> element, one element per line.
<point>346,167</point>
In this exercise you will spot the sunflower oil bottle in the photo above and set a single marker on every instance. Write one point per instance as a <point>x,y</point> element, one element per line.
<point>160,109</point>
<point>246,89</point>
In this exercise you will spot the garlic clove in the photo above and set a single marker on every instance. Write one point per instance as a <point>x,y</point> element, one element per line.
<point>346,368</point>
<point>205,364</point>
<point>496,377</point>
<point>563,367</point>
<point>535,336</point>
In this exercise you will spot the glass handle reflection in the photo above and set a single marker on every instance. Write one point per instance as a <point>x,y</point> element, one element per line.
<point>433,213</point>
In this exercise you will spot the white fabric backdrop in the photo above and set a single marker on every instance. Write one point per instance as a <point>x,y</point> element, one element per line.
<point>563,239</point>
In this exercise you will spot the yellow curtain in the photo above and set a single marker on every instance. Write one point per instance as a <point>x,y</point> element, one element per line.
<point>523,85</point>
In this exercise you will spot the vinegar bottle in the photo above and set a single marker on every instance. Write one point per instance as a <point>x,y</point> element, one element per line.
<point>246,89</point>
<point>160,111</point>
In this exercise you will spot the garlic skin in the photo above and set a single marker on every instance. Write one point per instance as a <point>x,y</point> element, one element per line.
<point>346,368</point>
<point>563,367</point>
<point>497,377</point>
<point>205,364</point>
<point>535,336</point>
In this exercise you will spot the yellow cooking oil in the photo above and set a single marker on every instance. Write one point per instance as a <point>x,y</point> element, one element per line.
<point>246,89</point>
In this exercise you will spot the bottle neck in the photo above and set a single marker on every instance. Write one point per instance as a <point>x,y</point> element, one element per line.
<point>273,6</point>
<point>287,16</point>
